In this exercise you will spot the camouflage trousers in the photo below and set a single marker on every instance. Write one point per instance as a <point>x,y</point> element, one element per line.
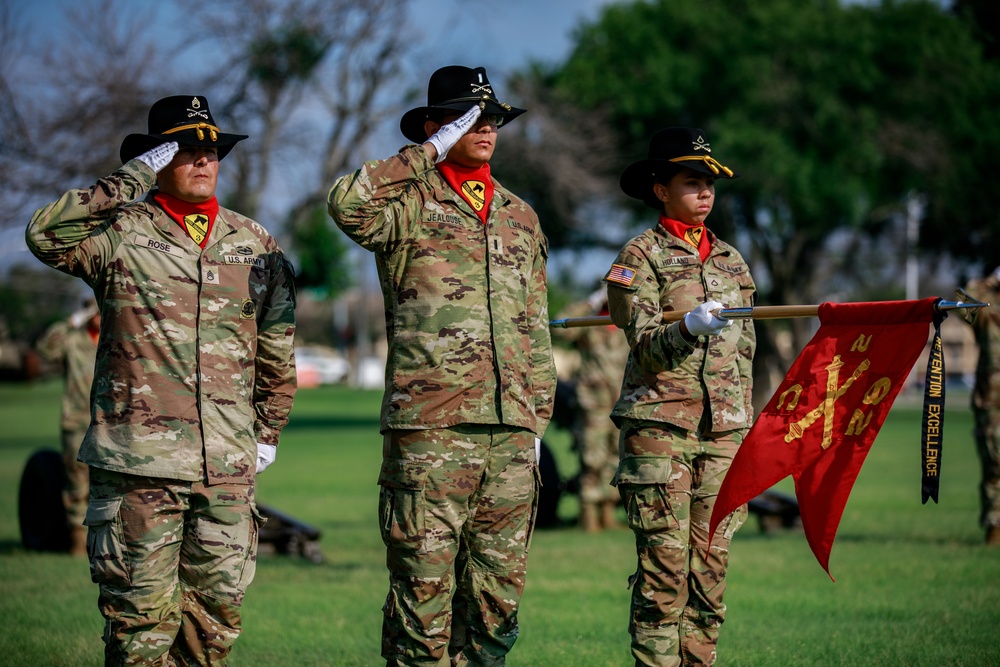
<point>669,479</point>
<point>77,489</point>
<point>988,446</point>
<point>173,560</point>
<point>457,508</point>
<point>596,438</point>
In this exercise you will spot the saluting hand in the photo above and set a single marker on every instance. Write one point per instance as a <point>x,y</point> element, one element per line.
<point>159,157</point>
<point>448,135</point>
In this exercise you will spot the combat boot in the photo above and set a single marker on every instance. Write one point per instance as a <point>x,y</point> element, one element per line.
<point>993,536</point>
<point>78,541</point>
<point>589,520</point>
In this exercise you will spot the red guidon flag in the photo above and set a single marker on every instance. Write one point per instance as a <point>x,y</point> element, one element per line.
<point>823,418</point>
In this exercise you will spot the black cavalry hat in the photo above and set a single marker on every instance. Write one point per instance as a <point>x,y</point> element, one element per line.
<point>185,119</point>
<point>671,150</point>
<point>455,88</point>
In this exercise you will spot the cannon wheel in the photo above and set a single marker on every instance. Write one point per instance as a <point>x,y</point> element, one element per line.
<point>40,509</point>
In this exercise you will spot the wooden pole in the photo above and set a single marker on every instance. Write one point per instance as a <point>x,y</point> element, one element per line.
<point>756,313</point>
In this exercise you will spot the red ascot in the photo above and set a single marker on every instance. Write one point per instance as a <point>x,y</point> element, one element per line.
<point>194,218</point>
<point>474,184</point>
<point>696,235</point>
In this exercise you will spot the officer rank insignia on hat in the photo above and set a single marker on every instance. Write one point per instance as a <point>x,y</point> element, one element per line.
<point>196,225</point>
<point>620,275</point>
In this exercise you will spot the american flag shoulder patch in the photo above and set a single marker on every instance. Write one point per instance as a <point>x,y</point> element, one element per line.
<point>620,275</point>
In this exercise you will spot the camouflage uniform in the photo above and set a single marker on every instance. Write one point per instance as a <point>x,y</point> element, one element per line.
<point>986,399</point>
<point>76,350</point>
<point>194,367</point>
<point>684,409</point>
<point>598,380</point>
<point>469,384</point>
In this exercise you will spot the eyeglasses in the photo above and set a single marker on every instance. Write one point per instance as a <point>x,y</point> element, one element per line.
<point>494,119</point>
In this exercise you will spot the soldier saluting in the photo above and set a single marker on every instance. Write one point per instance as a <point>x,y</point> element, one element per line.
<point>194,381</point>
<point>470,378</point>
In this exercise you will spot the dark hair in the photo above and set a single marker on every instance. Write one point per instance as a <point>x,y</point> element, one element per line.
<point>663,175</point>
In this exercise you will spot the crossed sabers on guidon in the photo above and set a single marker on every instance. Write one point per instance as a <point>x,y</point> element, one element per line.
<point>859,421</point>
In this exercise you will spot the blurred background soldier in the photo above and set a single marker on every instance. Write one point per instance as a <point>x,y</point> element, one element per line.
<point>597,382</point>
<point>194,381</point>
<point>72,344</point>
<point>470,378</point>
<point>986,400</point>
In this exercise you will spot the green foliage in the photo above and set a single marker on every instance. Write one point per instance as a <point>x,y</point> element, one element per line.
<point>915,586</point>
<point>321,255</point>
<point>291,52</point>
<point>32,298</point>
<point>832,113</point>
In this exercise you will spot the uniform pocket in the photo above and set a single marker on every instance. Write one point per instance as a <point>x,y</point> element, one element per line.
<point>250,563</point>
<point>643,482</point>
<point>401,504</point>
<point>109,564</point>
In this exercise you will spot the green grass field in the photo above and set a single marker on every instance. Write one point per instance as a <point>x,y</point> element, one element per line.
<point>914,584</point>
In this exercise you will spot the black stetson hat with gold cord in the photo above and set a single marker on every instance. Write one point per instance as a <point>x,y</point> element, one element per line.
<point>455,88</point>
<point>185,119</point>
<point>670,151</point>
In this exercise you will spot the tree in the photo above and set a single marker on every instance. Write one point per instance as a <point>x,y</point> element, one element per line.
<point>308,80</point>
<point>833,114</point>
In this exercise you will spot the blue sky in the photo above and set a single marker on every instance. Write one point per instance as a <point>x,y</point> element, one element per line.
<point>502,36</point>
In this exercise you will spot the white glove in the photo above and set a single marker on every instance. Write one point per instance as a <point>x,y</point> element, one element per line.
<point>448,135</point>
<point>265,456</point>
<point>538,449</point>
<point>701,321</point>
<point>82,316</point>
<point>159,157</point>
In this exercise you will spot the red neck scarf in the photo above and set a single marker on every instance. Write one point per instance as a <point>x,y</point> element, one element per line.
<point>474,184</point>
<point>696,235</point>
<point>195,219</point>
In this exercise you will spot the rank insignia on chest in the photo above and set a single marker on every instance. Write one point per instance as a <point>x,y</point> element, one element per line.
<point>620,275</point>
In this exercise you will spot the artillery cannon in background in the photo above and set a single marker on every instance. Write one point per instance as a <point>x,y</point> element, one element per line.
<point>42,516</point>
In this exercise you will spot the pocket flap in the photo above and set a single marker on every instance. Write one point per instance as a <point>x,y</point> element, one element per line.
<point>403,474</point>
<point>643,470</point>
<point>102,510</point>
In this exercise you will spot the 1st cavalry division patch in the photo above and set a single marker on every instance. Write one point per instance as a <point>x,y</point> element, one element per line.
<point>620,275</point>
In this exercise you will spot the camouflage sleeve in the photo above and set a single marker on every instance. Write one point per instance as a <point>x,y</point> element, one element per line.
<point>57,231</point>
<point>543,371</point>
<point>370,206</point>
<point>52,345</point>
<point>274,376</point>
<point>635,309</point>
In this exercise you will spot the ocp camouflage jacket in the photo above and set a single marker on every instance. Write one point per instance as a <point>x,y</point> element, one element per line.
<point>465,303</point>
<point>667,378</point>
<point>195,362</point>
